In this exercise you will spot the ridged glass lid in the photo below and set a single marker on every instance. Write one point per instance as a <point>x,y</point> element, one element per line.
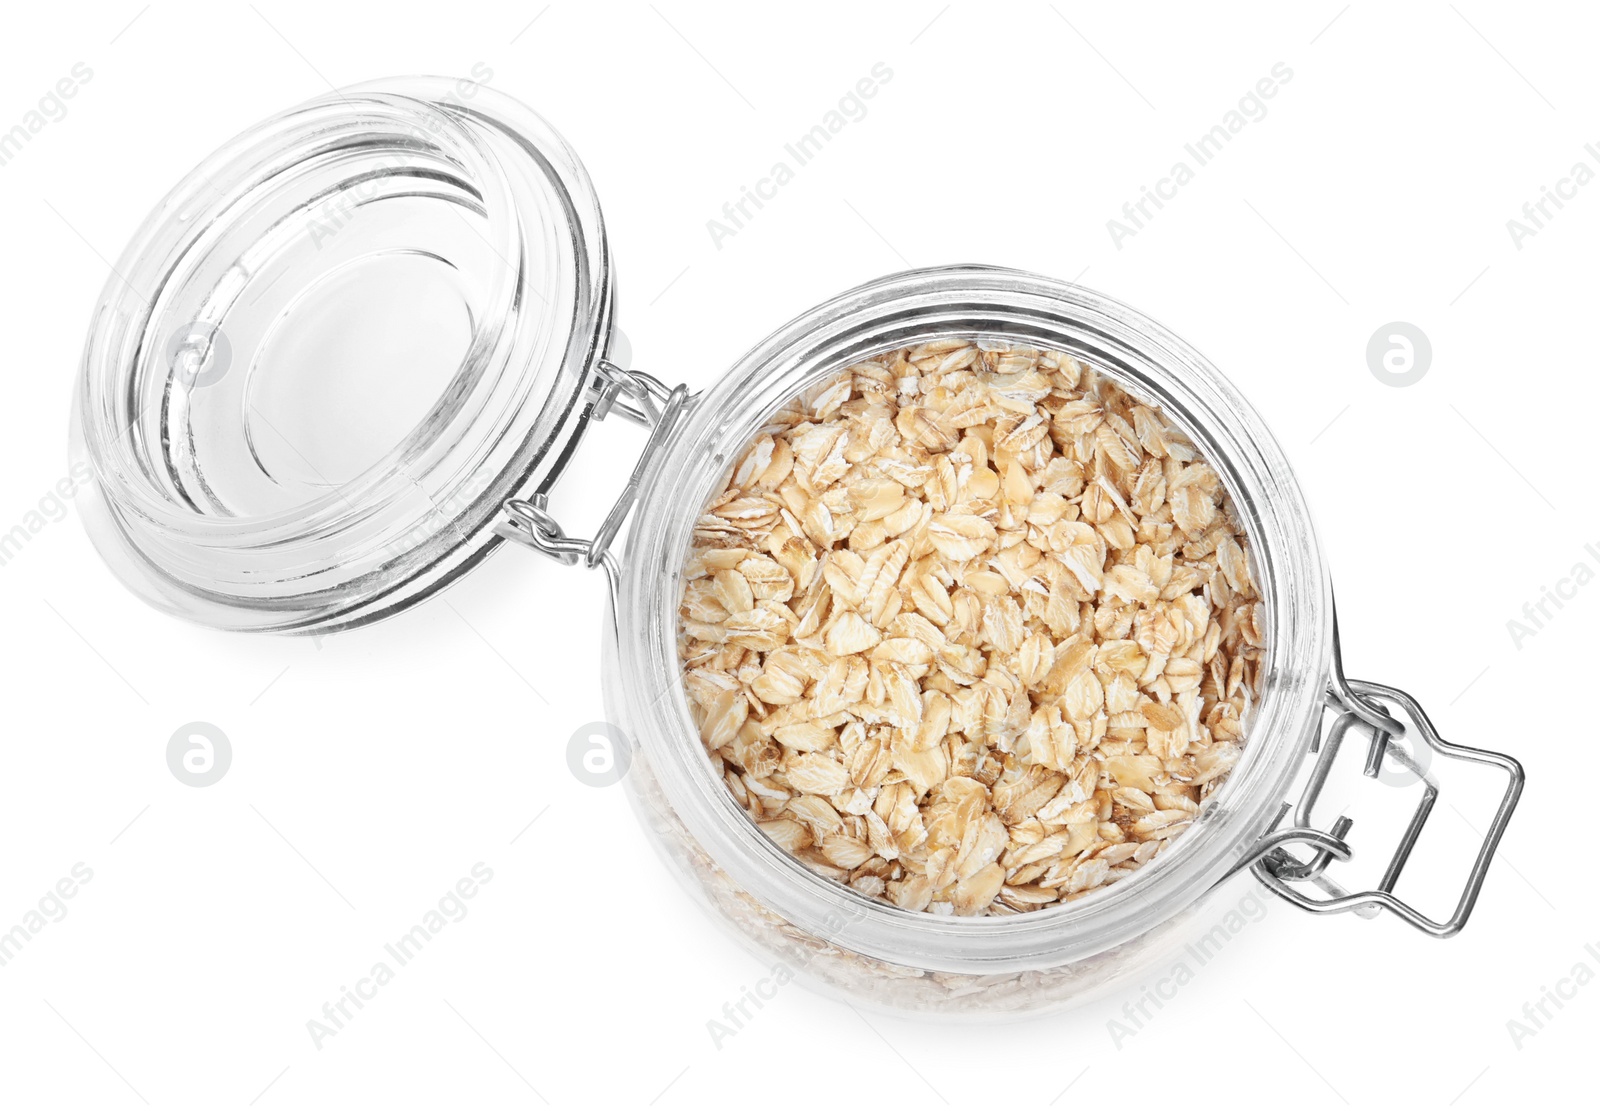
<point>335,349</point>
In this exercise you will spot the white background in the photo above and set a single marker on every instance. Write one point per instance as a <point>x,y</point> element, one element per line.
<point>372,770</point>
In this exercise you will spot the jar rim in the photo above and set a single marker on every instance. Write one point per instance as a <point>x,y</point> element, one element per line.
<point>430,182</point>
<point>646,693</point>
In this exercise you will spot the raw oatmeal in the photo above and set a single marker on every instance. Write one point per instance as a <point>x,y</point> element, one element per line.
<point>970,629</point>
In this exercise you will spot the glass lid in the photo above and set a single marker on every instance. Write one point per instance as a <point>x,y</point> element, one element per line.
<point>333,352</point>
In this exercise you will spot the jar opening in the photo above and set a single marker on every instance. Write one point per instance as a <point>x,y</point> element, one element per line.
<point>1147,361</point>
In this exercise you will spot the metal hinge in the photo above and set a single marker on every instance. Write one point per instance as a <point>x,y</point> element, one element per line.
<point>640,398</point>
<point>1370,706</point>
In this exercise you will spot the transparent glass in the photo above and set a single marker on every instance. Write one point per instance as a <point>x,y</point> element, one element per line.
<point>825,932</point>
<point>335,349</point>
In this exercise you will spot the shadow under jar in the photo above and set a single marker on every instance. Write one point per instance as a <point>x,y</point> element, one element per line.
<point>255,488</point>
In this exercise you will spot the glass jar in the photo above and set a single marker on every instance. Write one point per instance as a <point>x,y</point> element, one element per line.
<point>468,212</point>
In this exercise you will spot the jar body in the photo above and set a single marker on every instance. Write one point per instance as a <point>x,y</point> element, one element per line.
<point>826,933</point>
<point>822,959</point>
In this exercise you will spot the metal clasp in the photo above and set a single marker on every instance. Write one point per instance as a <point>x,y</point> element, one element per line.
<point>1370,706</point>
<point>640,398</point>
